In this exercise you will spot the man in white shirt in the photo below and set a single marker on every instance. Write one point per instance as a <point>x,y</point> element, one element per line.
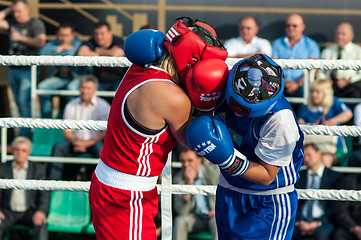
<point>86,107</point>
<point>346,82</point>
<point>247,44</point>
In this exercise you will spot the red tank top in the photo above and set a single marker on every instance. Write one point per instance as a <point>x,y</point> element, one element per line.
<point>125,148</point>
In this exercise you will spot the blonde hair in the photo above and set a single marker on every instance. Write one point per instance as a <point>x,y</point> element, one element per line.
<point>325,86</point>
<point>169,66</point>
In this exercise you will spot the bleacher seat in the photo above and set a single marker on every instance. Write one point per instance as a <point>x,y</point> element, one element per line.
<point>89,229</point>
<point>44,140</point>
<point>69,212</point>
<point>15,227</point>
<point>344,156</point>
<point>200,236</point>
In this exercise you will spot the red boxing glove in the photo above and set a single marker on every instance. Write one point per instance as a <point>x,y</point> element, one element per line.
<point>206,82</point>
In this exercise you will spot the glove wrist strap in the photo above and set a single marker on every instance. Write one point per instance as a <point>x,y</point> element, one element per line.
<point>196,112</point>
<point>237,165</point>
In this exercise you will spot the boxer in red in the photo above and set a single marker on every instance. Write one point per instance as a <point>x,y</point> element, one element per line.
<point>150,111</point>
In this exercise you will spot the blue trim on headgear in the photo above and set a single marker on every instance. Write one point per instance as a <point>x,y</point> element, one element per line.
<point>263,102</point>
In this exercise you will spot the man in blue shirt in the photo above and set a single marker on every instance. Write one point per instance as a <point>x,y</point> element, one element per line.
<point>294,45</point>
<point>61,77</point>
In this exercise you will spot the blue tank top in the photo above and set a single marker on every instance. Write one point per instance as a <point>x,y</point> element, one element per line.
<point>245,133</point>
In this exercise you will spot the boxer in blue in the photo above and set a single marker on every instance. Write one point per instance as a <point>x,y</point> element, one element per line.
<point>257,143</point>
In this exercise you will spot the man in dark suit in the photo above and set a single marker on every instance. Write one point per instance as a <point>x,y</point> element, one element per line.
<point>18,206</point>
<point>314,217</point>
<point>195,213</point>
<point>348,213</point>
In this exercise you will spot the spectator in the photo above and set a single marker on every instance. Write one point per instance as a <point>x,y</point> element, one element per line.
<point>27,36</point>
<point>248,43</point>
<point>104,43</point>
<point>195,213</point>
<point>346,82</point>
<point>355,157</point>
<point>323,108</point>
<point>314,218</point>
<point>348,213</point>
<point>295,45</point>
<point>65,44</point>
<point>86,107</point>
<point>24,207</point>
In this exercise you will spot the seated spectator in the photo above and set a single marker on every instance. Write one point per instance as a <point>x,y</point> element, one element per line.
<point>295,45</point>
<point>86,107</point>
<point>348,213</point>
<point>26,207</point>
<point>61,77</point>
<point>195,213</point>
<point>314,218</point>
<point>325,109</point>
<point>355,157</point>
<point>247,43</point>
<point>346,82</point>
<point>104,43</point>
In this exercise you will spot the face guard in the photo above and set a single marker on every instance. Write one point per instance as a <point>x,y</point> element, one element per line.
<point>254,86</point>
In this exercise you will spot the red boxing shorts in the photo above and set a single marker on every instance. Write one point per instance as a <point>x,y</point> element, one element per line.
<point>122,214</point>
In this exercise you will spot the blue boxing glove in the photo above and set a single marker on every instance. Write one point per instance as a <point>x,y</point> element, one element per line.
<point>209,137</point>
<point>144,46</point>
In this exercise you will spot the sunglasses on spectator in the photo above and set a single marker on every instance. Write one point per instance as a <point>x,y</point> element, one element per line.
<point>22,150</point>
<point>291,25</point>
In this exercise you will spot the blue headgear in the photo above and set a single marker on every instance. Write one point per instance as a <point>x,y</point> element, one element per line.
<point>254,86</point>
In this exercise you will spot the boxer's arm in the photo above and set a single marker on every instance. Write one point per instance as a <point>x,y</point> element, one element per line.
<point>261,173</point>
<point>160,103</point>
<point>176,111</point>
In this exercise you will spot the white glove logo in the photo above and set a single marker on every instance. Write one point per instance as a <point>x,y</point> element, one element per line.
<point>210,96</point>
<point>205,148</point>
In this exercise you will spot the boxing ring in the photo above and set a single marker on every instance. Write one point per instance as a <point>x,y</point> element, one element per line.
<point>166,188</point>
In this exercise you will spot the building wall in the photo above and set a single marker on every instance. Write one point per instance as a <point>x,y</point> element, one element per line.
<point>126,16</point>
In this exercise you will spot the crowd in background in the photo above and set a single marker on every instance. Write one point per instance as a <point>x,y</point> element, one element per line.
<point>27,36</point>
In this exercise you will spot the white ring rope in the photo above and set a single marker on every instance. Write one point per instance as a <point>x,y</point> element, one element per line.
<point>353,131</point>
<point>44,185</point>
<point>309,64</point>
<point>345,131</point>
<point>75,61</point>
<point>312,64</point>
<point>53,123</point>
<point>50,185</point>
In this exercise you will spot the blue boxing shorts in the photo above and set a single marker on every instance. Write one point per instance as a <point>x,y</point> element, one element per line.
<point>250,216</point>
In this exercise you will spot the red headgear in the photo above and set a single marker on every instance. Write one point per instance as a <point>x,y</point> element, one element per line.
<point>192,39</point>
